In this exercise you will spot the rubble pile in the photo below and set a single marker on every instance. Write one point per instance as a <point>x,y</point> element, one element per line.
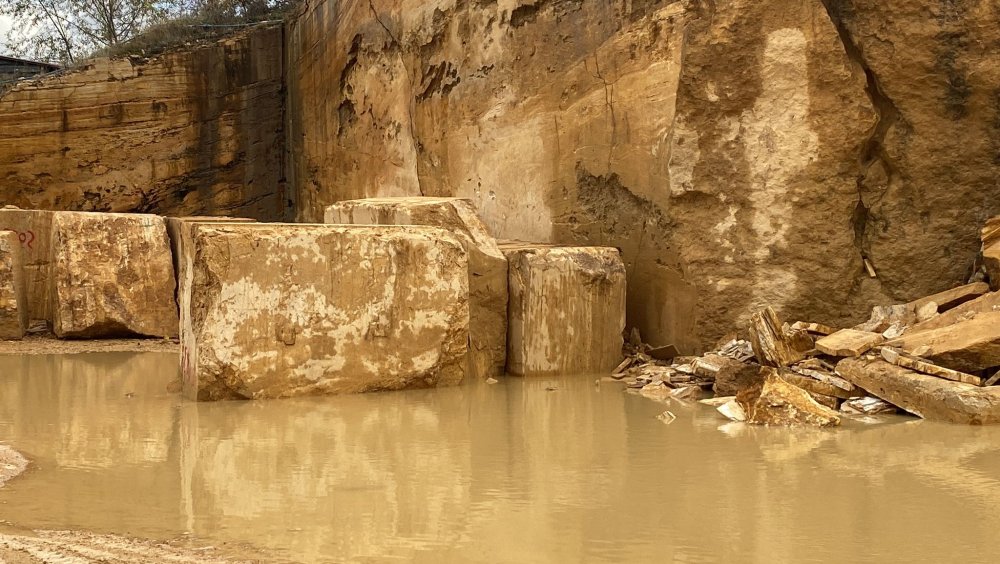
<point>937,357</point>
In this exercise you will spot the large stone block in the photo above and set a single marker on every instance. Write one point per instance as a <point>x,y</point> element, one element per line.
<point>112,275</point>
<point>487,265</point>
<point>567,309</point>
<point>176,231</point>
<point>13,296</point>
<point>34,232</point>
<point>279,310</point>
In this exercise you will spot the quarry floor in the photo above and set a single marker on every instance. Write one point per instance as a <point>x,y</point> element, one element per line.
<point>526,470</point>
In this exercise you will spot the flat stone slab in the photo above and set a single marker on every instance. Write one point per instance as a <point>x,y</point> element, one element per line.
<point>112,275</point>
<point>280,310</point>
<point>34,232</point>
<point>848,342</point>
<point>567,309</point>
<point>487,265</point>
<point>967,346</point>
<point>13,293</point>
<point>922,395</point>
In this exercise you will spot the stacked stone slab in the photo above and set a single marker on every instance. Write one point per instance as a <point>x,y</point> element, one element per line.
<point>112,275</point>
<point>13,293</point>
<point>34,233</point>
<point>567,309</point>
<point>487,265</point>
<point>279,310</point>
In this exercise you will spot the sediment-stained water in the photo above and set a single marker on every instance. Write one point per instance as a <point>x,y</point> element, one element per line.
<point>511,472</point>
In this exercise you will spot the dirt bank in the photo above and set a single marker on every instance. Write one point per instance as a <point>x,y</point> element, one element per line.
<point>48,344</point>
<point>20,547</point>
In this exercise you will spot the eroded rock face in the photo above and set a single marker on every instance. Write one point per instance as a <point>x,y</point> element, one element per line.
<point>34,233</point>
<point>716,145</point>
<point>194,131</point>
<point>13,293</point>
<point>487,265</point>
<point>112,275</point>
<point>566,311</point>
<point>279,310</point>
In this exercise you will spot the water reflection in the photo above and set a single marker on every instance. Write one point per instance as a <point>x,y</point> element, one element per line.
<point>528,470</point>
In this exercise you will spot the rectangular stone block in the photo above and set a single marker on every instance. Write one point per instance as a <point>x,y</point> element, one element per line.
<point>34,233</point>
<point>567,309</point>
<point>13,294</point>
<point>280,310</point>
<point>112,275</point>
<point>487,265</point>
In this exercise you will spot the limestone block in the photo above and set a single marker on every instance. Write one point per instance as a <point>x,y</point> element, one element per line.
<point>13,296</point>
<point>567,309</point>
<point>487,265</point>
<point>279,310</point>
<point>176,234</point>
<point>111,275</point>
<point>34,232</point>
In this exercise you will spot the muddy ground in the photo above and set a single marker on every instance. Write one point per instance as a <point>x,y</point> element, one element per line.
<point>42,343</point>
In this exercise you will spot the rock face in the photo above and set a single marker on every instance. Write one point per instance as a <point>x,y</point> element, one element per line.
<point>487,265</point>
<point>566,311</point>
<point>13,293</point>
<point>278,310</point>
<point>777,402</point>
<point>717,145</point>
<point>112,275</point>
<point>34,232</point>
<point>926,396</point>
<point>194,131</point>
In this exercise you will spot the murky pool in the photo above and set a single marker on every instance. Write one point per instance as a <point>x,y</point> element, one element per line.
<point>513,472</point>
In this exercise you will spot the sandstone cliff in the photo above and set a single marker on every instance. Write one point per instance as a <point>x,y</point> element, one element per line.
<point>195,131</point>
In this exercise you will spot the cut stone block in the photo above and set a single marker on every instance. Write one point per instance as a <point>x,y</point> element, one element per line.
<point>487,265</point>
<point>280,310</point>
<point>567,309</point>
<point>13,294</point>
<point>967,346</point>
<point>848,342</point>
<point>112,275</point>
<point>926,396</point>
<point>34,232</point>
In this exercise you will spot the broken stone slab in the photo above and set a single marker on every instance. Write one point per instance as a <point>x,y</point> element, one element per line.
<point>732,375</point>
<point>777,402</point>
<point>923,395</point>
<point>868,406</point>
<point>966,346</point>
<point>487,265</point>
<point>814,328</point>
<point>112,275</point>
<point>732,410</point>
<point>567,309</point>
<point>951,298</point>
<point>34,233</point>
<point>884,317</point>
<point>13,292</point>
<point>280,310</point>
<point>983,304</point>
<point>817,387</point>
<point>848,342</point>
<point>900,358</point>
<point>771,345</point>
<point>818,370</point>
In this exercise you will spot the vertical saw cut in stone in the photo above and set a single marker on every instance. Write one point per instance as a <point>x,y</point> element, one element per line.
<point>13,295</point>
<point>175,231</point>
<point>281,310</point>
<point>487,265</point>
<point>567,309</point>
<point>112,275</point>
<point>34,233</point>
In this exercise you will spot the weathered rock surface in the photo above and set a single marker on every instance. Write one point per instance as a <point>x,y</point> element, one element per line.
<point>966,346</point>
<point>771,344</point>
<point>34,232</point>
<point>717,145</point>
<point>990,237</point>
<point>13,293</point>
<point>733,375</point>
<point>112,275</point>
<point>848,342</point>
<point>177,232</point>
<point>487,265</point>
<point>278,310</point>
<point>567,309</point>
<point>777,402</point>
<point>926,396</point>
<point>195,131</point>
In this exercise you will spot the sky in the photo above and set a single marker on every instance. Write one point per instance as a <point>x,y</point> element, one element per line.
<point>5,24</point>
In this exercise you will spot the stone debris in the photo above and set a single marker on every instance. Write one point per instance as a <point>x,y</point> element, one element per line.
<point>970,345</point>
<point>739,349</point>
<point>322,309</point>
<point>112,275</point>
<point>13,290</point>
<point>777,402</point>
<point>814,328</point>
<point>488,278</point>
<point>732,410</point>
<point>771,344</point>
<point>900,358</point>
<point>848,342</point>
<point>868,406</point>
<point>667,417</point>
<point>566,310</point>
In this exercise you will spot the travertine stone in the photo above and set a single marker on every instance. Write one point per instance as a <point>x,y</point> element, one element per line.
<point>111,275</point>
<point>967,346</point>
<point>13,296</point>
<point>771,345</point>
<point>923,395</point>
<point>953,297</point>
<point>848,342</point>
<point>175,230</point>
<point>777,402</point>
<point>983,304</point>
<point>34,232</point>
<point>733,375</point>
<point>487,265</point>
<point>567,309</point>
<point>279,310</point>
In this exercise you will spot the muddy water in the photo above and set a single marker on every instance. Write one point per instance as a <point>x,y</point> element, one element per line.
<point>506,473</point>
